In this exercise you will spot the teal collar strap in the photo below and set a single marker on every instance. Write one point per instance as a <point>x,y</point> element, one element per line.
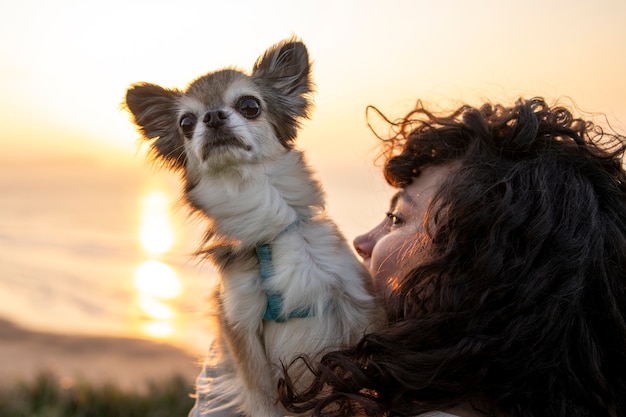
<point>274,310</point>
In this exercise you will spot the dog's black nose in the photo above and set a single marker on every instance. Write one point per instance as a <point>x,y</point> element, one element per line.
<point>215,118</point>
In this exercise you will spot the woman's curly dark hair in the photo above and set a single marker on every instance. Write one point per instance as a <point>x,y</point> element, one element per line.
<point>516,303</point>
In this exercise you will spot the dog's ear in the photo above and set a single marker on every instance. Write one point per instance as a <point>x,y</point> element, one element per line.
<point>284,72</point>
<point>154,111</point>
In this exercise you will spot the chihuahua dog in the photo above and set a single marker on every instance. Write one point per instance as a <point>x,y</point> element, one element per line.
<point>290,284</point>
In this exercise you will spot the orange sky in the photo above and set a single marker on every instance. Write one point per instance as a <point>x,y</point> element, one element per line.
<point>66,63</point>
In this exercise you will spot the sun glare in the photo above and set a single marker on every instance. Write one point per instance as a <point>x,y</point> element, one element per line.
<point>155,309</point>
<point>156,233</point>
<point>160,329</point>
<point>158,280</point>
<point>156,283</point>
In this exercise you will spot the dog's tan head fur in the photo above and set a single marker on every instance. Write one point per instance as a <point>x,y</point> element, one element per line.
<point>227,117</point>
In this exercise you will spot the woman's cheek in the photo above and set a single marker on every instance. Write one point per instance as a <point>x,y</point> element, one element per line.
<point>384,262</point>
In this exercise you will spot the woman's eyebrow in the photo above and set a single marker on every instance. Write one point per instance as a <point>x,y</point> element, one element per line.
<point>401,195</point>
<point>394,200</point>
<point>407,198</point>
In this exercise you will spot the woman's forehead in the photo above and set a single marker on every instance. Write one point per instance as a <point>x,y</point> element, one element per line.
<point>428,181</point>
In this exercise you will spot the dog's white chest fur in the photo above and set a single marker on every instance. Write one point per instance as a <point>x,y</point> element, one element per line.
<point>254,203</point>
<point>313,268</point>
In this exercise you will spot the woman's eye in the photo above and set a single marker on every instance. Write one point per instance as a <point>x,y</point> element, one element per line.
<point>394,218</point>
<point>249,107</point>
<point>187,124</point>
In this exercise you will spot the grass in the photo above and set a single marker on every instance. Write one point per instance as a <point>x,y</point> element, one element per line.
<point>45,396</point>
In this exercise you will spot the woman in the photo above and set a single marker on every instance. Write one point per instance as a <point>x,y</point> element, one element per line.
<point>503,264</point>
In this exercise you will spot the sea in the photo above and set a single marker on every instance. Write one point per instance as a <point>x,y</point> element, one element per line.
<point>90,248</point>
<point>93,248</point>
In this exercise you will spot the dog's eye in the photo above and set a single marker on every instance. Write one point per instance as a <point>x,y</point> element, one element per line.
<point>249,106</point>
<point>187,123</point>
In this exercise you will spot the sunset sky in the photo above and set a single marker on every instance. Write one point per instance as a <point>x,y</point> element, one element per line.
<point>66,64</point>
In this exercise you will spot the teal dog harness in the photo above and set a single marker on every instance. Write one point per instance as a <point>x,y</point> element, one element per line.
<point>274,308</point>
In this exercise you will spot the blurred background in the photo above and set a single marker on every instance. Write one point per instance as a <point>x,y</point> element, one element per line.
<point>93,239</point>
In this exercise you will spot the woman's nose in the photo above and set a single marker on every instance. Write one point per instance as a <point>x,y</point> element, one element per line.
<point>364,244</point>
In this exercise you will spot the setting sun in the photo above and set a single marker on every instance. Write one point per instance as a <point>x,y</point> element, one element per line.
<point>158,280</point>
<point>156,284</point>
<point>158,329</point>
<point>154,308</point>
